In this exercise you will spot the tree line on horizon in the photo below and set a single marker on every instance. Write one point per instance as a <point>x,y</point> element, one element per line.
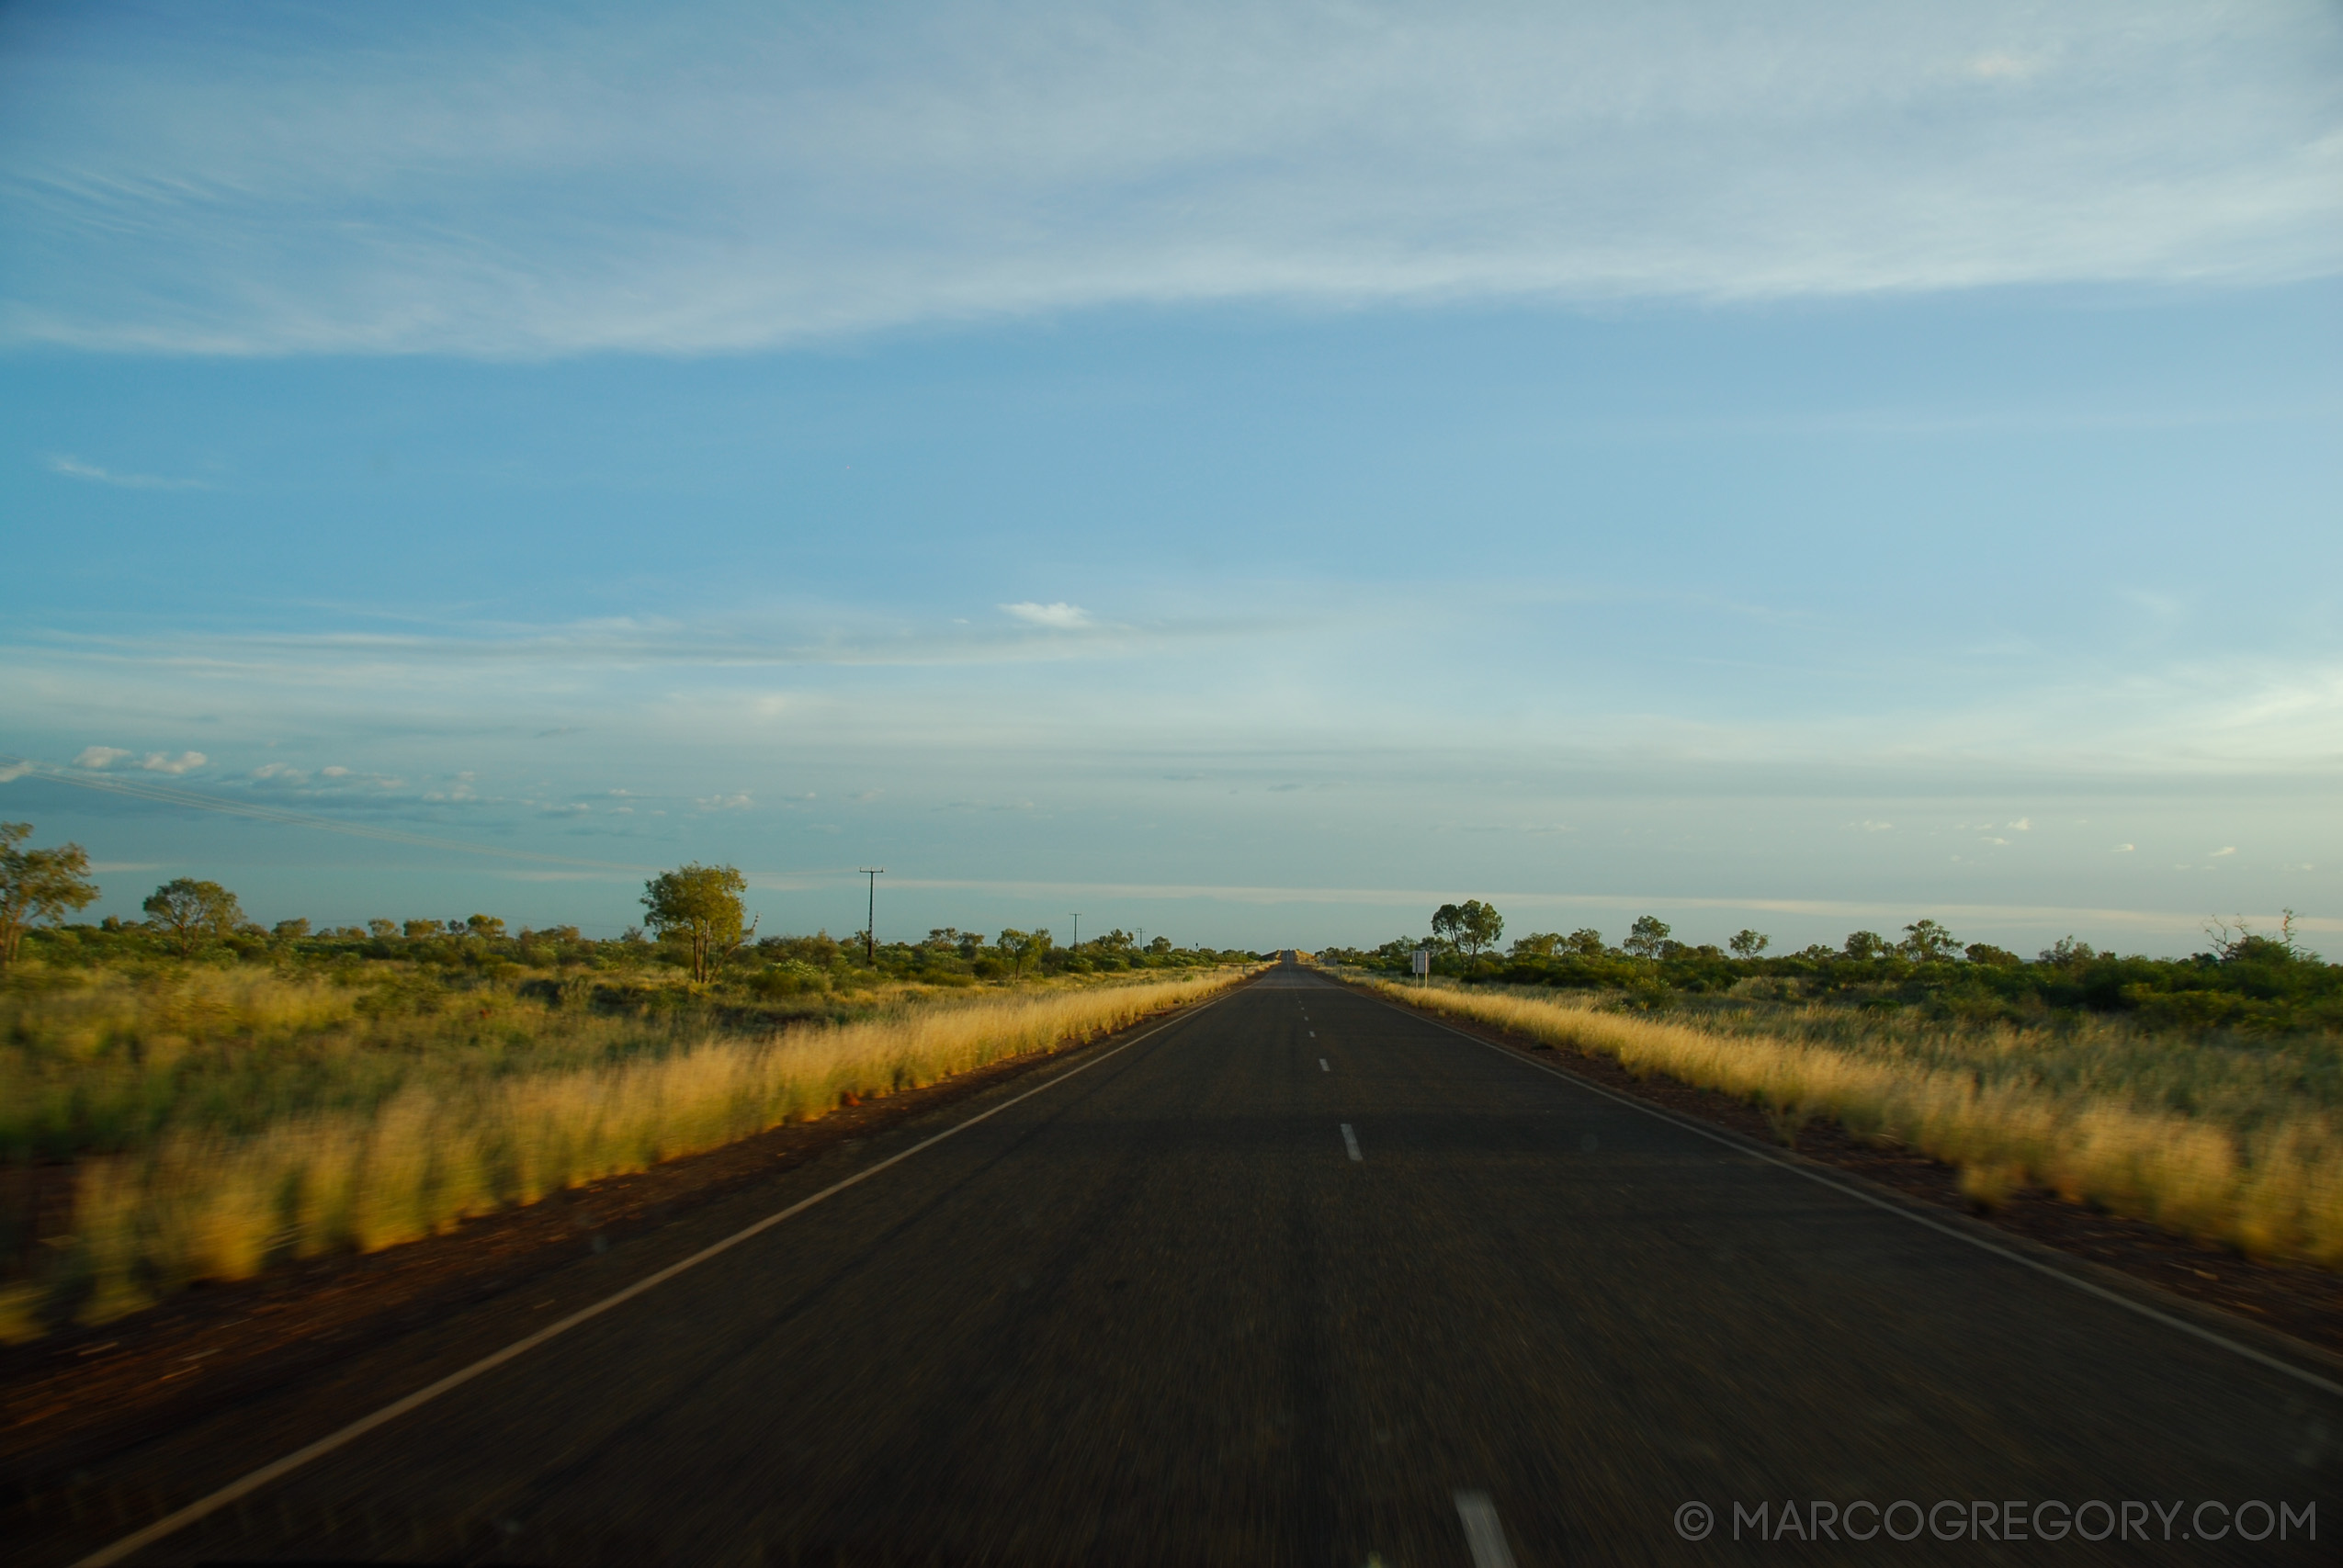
<point>694,918</point>
<point>2245,979</point>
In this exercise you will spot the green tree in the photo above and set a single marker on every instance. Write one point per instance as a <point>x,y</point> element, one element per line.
<point>1867,944</point>
<point>1021,948</point>
<point>491,925</point>
<point>1647,937</point>
<point>38,884</point>
<point>1925,941</point>
<point>700,906</point>
<point>1537,945</point>
<point>1586,942</point>
<point>1747,944</point>
<point>193,912</point>
<point>292,930</point>
<point>1468,927</point>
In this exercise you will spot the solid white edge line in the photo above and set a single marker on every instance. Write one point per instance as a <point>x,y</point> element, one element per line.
<point>1351,1142</point>
<point>1484,1531</point>
<point>2154,1315</point>
<point>244,1486</point>
<point>1322,1066</point>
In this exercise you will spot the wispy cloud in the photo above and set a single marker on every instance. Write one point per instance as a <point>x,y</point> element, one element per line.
<point>733,178</point>
<point>99,757</point>
<point>75,468</point>
<point>1061,615</point>
<point>737,802</point>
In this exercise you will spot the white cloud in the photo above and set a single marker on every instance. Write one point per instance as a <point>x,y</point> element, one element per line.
<point>2125,849</point>
<point>2216,854</point>
<point>1059,614</point>
<point>102,757</point>
<point>724,179</point>
<point>14,771</point>
<point>2003,66</point>
<point>75,468</point>
<point>725,803</point>
<point>2023,825</point>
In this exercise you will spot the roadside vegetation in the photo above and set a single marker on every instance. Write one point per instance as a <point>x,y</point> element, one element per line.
<point>192,1096</point>
<point>2204,1094</point>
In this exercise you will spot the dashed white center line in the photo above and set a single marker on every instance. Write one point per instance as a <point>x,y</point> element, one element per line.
<point>1313,1034</point>
<point>1351,1142</point>
<point>1322,1066</point>
<point>1484,1535</point>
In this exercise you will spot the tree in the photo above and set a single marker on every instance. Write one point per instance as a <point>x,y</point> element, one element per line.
<point>1867,944</point>
<point>1471,926</point>
<point>38,884</point>
<point>1647,937</point>
<point>492,926</point>
<point>1748,943</point>
<point>292,930</point>
<point>1586,942</point>
<point>193,912</point>
<point>1925,941</point>
<point>700,904</point>
<point>1537,945</point>
<point>1021,948</point>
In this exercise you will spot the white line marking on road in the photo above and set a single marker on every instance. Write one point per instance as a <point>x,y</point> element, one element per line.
<point>1351,1142</point>
<point>244,1486</point>
<point>2153,1314</point>
<point>1484,1534</point>
<point>1313,1034</point>
<point>1322,1066</point>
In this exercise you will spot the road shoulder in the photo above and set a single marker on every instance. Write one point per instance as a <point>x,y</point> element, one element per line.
<point>74,1397</point>
<point>2292,1310</point>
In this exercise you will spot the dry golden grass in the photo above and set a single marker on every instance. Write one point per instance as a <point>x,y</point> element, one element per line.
<point>2265,1176</point>
<point>201,1203</point>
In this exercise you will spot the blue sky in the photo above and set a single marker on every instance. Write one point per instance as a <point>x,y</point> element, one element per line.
<point>1245,472</point>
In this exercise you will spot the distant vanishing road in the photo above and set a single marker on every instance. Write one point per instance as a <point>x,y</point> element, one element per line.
<point>1295,1277</point>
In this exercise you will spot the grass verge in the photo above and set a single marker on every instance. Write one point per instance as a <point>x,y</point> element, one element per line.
<point>2264,1176</point>
<point>200,1203</point>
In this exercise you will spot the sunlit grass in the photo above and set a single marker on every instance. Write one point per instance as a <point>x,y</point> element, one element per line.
<point>2237,1144</point>
<point>460,1115</point>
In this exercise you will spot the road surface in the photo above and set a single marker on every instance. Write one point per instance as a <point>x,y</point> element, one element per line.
<point>1298,1278</point>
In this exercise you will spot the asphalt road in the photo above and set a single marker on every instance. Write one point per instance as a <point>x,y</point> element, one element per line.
<point>1298,1279</point>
